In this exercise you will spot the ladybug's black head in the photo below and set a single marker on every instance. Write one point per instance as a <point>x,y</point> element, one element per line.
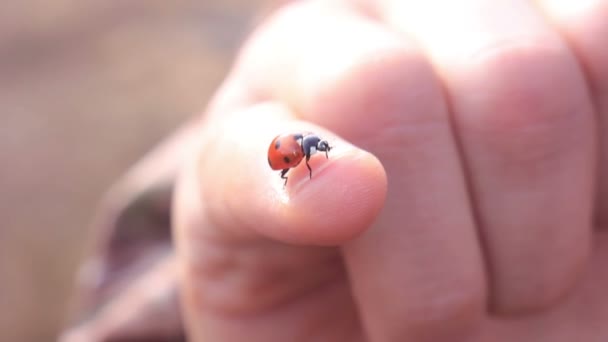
<point>312,143</point>
<point>323,145</point>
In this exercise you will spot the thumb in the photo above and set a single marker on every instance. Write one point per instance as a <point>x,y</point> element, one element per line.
<point>249,248</point>
<point>242,195</point>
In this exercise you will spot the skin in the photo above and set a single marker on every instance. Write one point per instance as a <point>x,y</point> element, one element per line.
<point>464,199</point>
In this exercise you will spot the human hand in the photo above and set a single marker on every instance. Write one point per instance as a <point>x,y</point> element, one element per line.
<point>476,221</point>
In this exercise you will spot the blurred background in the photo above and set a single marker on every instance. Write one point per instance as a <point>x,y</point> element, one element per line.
<point>86,88</point>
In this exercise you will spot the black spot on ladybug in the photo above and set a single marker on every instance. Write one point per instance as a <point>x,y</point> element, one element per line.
<point>286,159</point>
<point>277,144</point>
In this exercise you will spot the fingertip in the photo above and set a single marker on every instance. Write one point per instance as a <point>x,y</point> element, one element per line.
<point>244,196</point>
<point>341,200</point>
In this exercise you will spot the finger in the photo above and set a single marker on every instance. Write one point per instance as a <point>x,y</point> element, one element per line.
<point>525,123</point>
<point>417,272</point>
<point>338,203</point>
<point>585,25</point>
<point>146,309</point>
<point>248,271</point>
<point>564,323</point>
<point>131,241</point>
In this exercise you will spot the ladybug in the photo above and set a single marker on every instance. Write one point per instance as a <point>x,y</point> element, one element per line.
<point>287,151</point>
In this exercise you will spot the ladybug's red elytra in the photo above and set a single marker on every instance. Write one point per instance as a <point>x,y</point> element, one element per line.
<point>286,151</point>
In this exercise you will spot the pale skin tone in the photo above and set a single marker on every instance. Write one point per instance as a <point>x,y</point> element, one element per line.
<point>465,196</point>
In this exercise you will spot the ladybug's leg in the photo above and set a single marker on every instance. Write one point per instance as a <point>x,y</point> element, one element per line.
<point>283,173</point>
<point>308,166</point>
<point>309,146</point>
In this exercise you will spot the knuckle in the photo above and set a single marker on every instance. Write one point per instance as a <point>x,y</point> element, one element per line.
<point>526,85</point>
<point>231,282</point>
<point>289,11</point>
<point>390,89</point>
<point>523,99</point>
<point>243,278</point>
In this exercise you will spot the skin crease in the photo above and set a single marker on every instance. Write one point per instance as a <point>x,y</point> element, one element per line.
<point>457,204</point>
